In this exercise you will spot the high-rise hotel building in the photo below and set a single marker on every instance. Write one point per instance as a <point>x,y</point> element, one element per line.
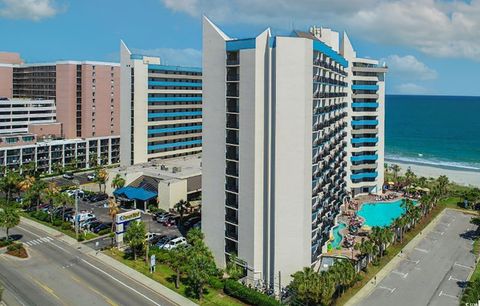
<point>161,109</point>
<point>278,128</point>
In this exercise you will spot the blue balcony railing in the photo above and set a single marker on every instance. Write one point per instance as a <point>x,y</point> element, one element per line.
<point>360,176</point>
<point>360,158</point>
<point>364,140</point>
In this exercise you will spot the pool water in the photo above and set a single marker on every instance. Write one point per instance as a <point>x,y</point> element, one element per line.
<point>337,237</point>
<point>381,213</point>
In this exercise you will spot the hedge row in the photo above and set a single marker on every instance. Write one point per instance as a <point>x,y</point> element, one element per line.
<point>248,295</point>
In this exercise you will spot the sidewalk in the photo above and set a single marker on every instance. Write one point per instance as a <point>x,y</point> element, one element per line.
<point>390,266</point>
<point>112,263</point>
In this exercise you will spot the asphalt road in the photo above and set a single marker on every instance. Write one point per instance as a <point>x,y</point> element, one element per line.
<point>436,270</point>
<point>57,274</point>
<point>80,178</point>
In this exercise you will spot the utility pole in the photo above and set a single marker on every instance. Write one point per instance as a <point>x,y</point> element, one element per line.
<point>280,285</point>
<point>76,209</point>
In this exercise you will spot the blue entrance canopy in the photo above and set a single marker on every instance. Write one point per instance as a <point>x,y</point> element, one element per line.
<point>135,193</point>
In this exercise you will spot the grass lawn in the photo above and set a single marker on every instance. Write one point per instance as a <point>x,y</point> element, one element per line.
<point>166,276</point>
<point>86,235</point>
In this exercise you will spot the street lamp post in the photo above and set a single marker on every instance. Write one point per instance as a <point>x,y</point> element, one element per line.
<point>77,184</point>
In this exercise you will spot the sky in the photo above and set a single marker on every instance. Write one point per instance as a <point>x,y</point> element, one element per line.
<point>430,46</point>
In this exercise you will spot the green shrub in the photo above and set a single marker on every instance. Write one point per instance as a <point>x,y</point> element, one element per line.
<point>247,295</point>
<point>66,226</point>
<point>104,232</point>
<point>14,246</point>
<point>40,215</point>
<point>215,283</point>
<point>57,222</point>
<point>4,242</point>
<point>81,238</point>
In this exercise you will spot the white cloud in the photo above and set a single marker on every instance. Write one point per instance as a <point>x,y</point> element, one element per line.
<point>440,28</point>
<point>409,67</point>
<point>28,9</point>
<point>410,88</point>
<point>170,56</point>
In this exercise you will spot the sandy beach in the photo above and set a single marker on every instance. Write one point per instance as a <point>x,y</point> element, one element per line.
<point>462,177</point>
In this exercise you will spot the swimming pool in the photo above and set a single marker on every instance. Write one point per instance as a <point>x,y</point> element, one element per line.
<point>381,213</point>
<point>337,237</point>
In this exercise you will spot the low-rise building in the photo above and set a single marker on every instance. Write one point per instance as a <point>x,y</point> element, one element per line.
<point>50,155</point>
<point>159,182</point>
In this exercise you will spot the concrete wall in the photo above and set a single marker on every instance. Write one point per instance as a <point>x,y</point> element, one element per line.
<point>125,99</point>
<point>170,192</point>
<point>213,157</point>
<point>66,98</point>
<point>10,58</point>
<point>292,167</point>
<point>6,81</point>
<point>41,130</point>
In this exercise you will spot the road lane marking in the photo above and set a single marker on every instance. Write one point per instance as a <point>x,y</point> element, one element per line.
<point>32,233</point>
<point>421,250</point>
<point>120,282</point>
<point>414,261</point>
<point>386,288</point>
<point>438,232</point>
<point>462,266</point>
<point>448,295</point>
<point>106,298</point>
<point>404,275</point>
<point>47,289</point>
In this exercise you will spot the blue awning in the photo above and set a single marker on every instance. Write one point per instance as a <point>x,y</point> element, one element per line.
<point>134,193</point>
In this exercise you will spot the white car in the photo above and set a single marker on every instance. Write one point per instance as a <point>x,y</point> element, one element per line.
<point>174,243</point>
<point>91,176</point>
<point>82,217</point>
<point>150,236</point>
<point>74,192</point>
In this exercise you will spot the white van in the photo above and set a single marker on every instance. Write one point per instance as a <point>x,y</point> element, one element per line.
<point>82,217</point>
<point>174,243</point>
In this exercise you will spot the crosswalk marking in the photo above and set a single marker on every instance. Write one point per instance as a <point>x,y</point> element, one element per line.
<point>38,241</point>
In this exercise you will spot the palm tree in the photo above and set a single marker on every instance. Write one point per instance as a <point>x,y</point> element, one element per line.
<point>395,169</point>
<point>9,184</point>
<point>118,181</point>
<point>50,194</point>
<point>65,201</point>
<point>101,177</point>
<point>410,177</point>
<point>113,210</point>
<point>9,217</point>
<point>27,183</point>
<point>33,195</point>
<point>181,207</point>
<point>442,183</point>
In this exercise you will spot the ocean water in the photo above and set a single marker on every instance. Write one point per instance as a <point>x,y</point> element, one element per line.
<point>435,130</point>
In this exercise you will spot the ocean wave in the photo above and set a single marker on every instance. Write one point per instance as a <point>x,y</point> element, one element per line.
<point>432,162</point>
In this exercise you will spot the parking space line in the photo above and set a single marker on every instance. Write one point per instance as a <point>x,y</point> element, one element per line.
<point>448,295</point>
<point>386,288</point>
<point>438,232</point>
<point>454,279</point>
<point>462,266</point>
<point>414,261</point>
<point>404,275</point>
<point>421,250</point>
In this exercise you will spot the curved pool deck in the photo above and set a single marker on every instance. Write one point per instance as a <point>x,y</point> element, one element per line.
<point>381,213</point>
<point>337,237</point>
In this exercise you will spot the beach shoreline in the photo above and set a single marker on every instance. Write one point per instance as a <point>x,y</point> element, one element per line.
<point>466,177</point>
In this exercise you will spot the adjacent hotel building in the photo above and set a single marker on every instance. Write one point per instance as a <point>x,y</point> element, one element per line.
<point>86,94</point>
<point>161,109</point>
<point>57,115</point>
<point>284,146</point>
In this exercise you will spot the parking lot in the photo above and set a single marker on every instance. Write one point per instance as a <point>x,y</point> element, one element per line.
<point>79,178</point>
<point>435,271</point>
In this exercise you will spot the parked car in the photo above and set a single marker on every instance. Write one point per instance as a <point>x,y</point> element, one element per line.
<point>85,222</point>
<point>68,175</point>
<point>190,222</point>
<point>164,217</point>
<point>97,197</point>
<point>175,243</point>
<point>150,236</point>
<point>156,239</point>
<point>157,215</point>
<point>82,217</point>
<point>72,192</point>
<point>101,227</point>
<point>198,225</point>
<point>169,222</point>
<point>92,225</point>
<point>91,176</point>
<point>164,241</point>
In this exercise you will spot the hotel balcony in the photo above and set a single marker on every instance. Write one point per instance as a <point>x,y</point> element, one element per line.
<point>377,69</point>
<point>365,96</point>
<point>359,158</point>
<point>365,87</point>
<point>363,175</point>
